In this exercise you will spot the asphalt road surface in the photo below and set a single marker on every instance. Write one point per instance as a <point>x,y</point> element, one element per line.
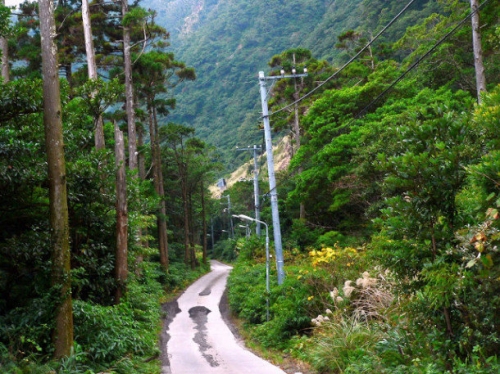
<point>199,341</point>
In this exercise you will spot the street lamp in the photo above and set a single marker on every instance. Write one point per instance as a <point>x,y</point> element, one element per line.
<point>247,231</point>
<point>249,219</point>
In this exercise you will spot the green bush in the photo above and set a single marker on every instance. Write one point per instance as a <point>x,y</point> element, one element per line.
<point>109,334</point>
<point>303,236</point>
<point>225,250</point>
<point>329,239</point>
<point>244,283</point>
<point>290,310</point>
<point>176,275</point>
<point>290,305</point>
<point>118,336</point>
<point>27,330</point>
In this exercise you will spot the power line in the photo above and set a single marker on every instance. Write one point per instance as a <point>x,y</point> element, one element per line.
<point>415,64</point>
<point>348,62</point>
<point>425,55</point>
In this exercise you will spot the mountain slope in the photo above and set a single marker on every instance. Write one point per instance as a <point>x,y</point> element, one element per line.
<point>229,41</point>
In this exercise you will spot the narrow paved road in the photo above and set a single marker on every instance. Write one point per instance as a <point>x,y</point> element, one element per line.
<point>199,340</point>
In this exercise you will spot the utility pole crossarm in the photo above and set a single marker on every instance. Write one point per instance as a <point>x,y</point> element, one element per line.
<point>276,77</point>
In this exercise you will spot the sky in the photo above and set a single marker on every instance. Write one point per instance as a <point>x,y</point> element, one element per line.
<point>12,2</point>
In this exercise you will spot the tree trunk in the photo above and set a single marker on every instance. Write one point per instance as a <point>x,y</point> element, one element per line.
<point>4,48</point>
<point>141,164</point>
<point>129,93</point>
<point>92,68</point>
<point>187,253</point>
<point>5,59</point>
<point>478,50</point>
<point>296,130</point>
<point>161,221</point>
<point>68,73</point>
<point>121,265</point>
<point>193,233</point>
<point>52,118</point>
<point>204,222</point>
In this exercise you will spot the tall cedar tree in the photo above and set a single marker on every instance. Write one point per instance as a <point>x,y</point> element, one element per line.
<point>4,47</point>
<point>121,266</point>
<point>52,117</point>
<point>155,72</point>
<point>129,90</point>
<point>92,67</point>
<point>478,49</point>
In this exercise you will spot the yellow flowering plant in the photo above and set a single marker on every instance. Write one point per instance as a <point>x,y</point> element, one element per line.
<point>337,254</point>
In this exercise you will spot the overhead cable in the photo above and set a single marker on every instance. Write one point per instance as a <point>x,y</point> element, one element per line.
<point>348,62</point>
<point>415,64</point>
<point>425,55</point>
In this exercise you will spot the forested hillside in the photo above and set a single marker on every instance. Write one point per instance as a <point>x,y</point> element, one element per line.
<point>89,242</point>
<point>229,42</point>
<point>389,208</point>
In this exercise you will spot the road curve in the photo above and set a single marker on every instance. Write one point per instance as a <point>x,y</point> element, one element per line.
<point>199,340</point>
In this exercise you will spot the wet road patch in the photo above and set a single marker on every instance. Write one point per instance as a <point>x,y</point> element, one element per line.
<point>199,316</point>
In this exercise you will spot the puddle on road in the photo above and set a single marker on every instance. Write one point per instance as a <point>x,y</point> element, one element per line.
<point>199,315</point>
<point>205,292</point>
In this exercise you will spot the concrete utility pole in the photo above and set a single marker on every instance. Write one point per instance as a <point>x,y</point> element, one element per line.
<point>255,149</point>
<point>270,166</point>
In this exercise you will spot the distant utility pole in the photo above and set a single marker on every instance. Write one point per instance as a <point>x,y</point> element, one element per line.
<point>270,166</point>
<point>231,227</point>
<point>255,149</point>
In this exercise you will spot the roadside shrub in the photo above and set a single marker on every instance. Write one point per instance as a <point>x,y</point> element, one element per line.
<point>27,330</point>
<point>291,305</point>
<point>303,236</point>
<point>340,262</point>
<point>329,239</point>
<point>176,275</point>
<point>246,284</point>
<point>338,343</point>
<point>110,335</point>
<point>225,250</point>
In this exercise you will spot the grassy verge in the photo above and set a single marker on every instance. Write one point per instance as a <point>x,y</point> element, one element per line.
<point>340,312</point>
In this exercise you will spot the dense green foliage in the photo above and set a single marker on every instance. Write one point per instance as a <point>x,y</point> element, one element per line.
<point>229,42</point>
<point>402,213</point>
<point>109,335</point>
<point>390,208</point>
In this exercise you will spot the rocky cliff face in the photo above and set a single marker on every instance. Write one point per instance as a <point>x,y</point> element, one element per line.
<point>193,17</point>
